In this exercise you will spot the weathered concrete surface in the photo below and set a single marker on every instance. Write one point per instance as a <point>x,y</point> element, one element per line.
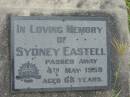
<point>116,8</point>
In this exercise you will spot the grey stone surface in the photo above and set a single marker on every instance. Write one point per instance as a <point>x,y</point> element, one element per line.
<point>116,8</point>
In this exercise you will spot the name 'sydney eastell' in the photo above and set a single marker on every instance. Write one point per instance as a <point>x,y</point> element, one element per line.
<point>65,51</point>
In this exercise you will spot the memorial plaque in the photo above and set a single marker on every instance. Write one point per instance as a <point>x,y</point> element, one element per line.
<point>58,53</point>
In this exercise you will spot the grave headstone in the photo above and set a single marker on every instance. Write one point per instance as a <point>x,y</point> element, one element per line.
<point>74,31</point>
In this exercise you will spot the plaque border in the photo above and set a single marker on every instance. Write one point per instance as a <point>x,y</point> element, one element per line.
<point>96,17</point>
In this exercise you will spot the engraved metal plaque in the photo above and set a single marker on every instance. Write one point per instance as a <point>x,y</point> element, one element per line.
<point>59,53</point>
